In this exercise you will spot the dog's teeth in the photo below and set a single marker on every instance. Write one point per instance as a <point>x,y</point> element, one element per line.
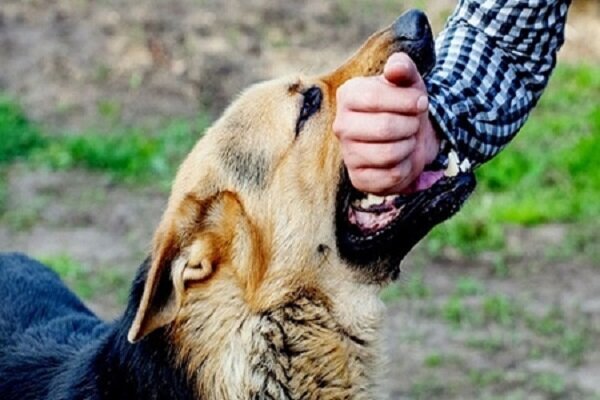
<point>375,199</point>
<point>452,169</point>
<point>465,165</point>
<point>364,204</point>
<point>371,200</point>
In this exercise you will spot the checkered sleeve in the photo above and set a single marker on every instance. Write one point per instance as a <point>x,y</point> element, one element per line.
<point>494,60</point>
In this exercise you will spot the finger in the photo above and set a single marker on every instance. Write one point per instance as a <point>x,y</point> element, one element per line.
<point>377,155</point>
<point>401,70</point>
<point>382,181</point>
<point>375,127</point>
<point>374,94</point>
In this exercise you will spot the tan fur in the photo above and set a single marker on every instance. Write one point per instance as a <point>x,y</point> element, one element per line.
<point>262,304</point>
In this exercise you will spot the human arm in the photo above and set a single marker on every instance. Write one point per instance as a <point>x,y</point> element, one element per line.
<point>494,60</point>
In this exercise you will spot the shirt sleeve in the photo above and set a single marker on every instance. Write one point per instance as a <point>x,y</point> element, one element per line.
<point>494,60</point>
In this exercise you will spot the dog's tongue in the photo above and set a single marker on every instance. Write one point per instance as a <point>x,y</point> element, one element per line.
<point>369,222</point>
<point>424,181</point>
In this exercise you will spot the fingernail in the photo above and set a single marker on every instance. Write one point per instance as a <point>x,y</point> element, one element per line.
<point>422,104</point>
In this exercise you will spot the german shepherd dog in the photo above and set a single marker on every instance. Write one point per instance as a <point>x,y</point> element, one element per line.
<point>264,273</point>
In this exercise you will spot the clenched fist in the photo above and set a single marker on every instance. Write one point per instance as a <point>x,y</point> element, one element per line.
<point>384,128</point>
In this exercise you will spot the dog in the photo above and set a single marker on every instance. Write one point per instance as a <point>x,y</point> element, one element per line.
<point>265,268</point>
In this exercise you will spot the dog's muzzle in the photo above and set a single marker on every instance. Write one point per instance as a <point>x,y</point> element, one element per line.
<point>413,36</point>
<point>375,233</point>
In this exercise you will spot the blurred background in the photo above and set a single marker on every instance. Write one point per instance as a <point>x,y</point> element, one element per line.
<point>100,100</point>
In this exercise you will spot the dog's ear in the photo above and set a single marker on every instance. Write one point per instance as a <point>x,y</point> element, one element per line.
<point>188,245</point>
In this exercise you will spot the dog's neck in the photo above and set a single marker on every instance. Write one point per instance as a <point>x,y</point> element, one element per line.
<point>312,346</point>
<point>116,369</point>
<point>300,349</point>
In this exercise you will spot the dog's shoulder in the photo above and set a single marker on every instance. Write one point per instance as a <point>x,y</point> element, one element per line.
<point>42,325</point>
<point>36,358</point>
<point>33,294</point>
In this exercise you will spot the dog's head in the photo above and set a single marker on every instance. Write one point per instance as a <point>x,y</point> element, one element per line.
<point>262,207</point>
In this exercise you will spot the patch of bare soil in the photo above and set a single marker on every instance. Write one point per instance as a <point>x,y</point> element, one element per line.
<point>84,216</point>
<point>429,357</point>
<point>67,59</point>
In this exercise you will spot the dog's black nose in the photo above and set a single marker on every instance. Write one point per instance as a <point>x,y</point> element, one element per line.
<point>413,35</point>
<point>412,25</point>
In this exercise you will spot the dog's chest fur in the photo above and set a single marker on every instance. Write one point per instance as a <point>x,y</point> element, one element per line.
<point>296,351</point>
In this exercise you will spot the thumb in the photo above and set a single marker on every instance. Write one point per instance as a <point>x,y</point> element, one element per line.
<point>401,70</point>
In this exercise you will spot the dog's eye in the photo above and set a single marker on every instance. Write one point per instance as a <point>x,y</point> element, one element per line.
<point>311,103</point>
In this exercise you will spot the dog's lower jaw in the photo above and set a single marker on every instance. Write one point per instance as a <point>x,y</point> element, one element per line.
<point>297,350</point>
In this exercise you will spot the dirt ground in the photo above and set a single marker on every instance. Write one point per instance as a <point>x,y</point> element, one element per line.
<point>77,64</point>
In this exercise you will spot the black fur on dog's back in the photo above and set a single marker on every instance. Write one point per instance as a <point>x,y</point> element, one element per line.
<point>52,347</point>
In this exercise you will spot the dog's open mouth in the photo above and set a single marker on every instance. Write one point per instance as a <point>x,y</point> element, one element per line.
<point>375,233</point>
<point>372,214</point>
<point>374,230</point>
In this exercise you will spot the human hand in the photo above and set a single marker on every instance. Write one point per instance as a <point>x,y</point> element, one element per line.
<point>384,129</point>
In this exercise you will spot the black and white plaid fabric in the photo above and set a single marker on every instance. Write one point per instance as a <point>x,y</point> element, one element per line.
<point>494,60</point>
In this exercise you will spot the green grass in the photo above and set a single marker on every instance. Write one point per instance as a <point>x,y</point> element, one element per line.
<point>18,136</point>
<point>573,344</point>
<point>567,339</point>
<point>88,284</point>
<point>490,344</point>
<point>433,360</point>
<point>429,387</point>
<point>495,309</point>
<point>457,313</point>
<point>467,286</point>
<point>500,309</point>
<point>129,155</point>
<point>126,154</point>
<point>551,323</point>
<point>486,377</point>
<point>549,383</point>
<point>549,173</point>
<point>72,273</point>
